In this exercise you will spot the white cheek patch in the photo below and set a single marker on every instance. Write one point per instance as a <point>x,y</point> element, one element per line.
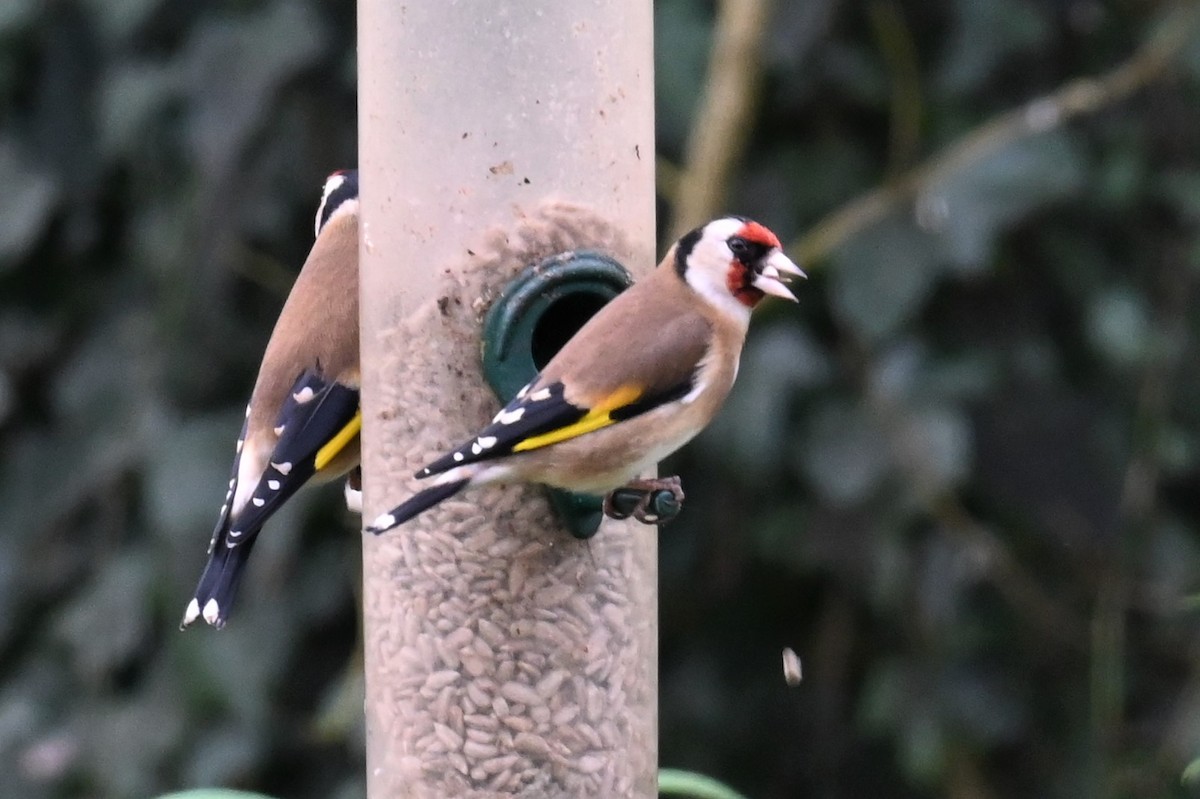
<point>707,274</point>
<point>331,185</point>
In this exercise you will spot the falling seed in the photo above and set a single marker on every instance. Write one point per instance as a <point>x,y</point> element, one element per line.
<point>791,667</point>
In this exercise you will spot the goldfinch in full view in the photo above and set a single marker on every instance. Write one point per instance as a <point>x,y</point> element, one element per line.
<point>303,420</point>
<point>635,383</point>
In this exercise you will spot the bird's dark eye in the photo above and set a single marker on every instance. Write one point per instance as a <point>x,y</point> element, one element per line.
<point>740,248</point>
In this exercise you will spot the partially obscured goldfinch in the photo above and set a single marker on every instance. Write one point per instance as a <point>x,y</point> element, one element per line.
<point>303,419</point>
<point>637,382</point>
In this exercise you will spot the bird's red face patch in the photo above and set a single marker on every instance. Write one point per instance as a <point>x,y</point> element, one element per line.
<point>752,231</point>
<point>738,283</point>
<point>740,279</point>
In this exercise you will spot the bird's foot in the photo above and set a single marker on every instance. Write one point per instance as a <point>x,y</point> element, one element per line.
<point>655,501</point>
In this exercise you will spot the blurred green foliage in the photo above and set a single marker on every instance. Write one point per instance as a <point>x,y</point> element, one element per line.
<point>959,479</point>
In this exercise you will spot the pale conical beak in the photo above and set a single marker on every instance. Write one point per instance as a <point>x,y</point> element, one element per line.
<point>777,268</point>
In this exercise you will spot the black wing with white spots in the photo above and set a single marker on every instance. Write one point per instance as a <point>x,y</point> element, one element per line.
<point>537,418</point>
<point>315,412</point>
<point>530,414</point>
<point>223,517</point>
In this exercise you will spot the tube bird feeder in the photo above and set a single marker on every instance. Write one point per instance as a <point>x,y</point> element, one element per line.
<point>504,655</point>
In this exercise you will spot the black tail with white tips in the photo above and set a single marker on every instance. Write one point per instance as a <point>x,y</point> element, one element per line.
<point>219,583</point>
<point>415,505</point>
<point>318,421</point>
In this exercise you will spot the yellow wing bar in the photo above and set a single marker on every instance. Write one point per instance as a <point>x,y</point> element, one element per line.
<point>336,444</point>
<point>594,419</point>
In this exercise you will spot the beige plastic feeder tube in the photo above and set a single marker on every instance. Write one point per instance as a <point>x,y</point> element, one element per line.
<point>503,658</point>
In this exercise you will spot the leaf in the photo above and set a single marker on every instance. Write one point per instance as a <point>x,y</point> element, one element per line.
<point>16,14</point>
<point>117,20</point>
<point>1119,327</point>
<point>681,44</point>
<point>105,623</point>
<point>1191,774</point>
<point>988,32</point>
<point>8,398</point>
<point>233,69</point>
<point>226,753</point>
<point>796,30</point>
<point>881,277</point>
<point>126,741</point>
<point>969,208</point>
<point>923,746</point>
<point>935,443</point>
<point>908,373</point>
<point>1181,188</point>
<point>1173,559</point>
<point>1174,18</point>
<point>982,703</point>
<point>844,455</point>
<point>675,782</point>
<point>27,203</point>
<point>779,363</point>
<point>897,372</point>
<point>856,72</point>
<point>187,474</point>
<point>27,341</point>
<point>214,793</point>
<point>128,102</point>
<point>882,702</point>
<point>100,387</point>
<point>832,170</point>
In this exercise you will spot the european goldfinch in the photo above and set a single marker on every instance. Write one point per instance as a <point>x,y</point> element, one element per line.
<point>634,384</point>
<point>303,419</point>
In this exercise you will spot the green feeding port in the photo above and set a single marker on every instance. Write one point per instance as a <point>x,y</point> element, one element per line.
<point>539,312</point>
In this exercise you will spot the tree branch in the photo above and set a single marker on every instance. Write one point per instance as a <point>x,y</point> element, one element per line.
<point>1077,98</point>
<point>723,118</point>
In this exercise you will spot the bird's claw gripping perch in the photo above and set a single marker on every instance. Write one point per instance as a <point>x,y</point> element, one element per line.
<point>649,501</point>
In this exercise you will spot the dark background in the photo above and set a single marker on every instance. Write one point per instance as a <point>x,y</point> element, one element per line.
<point>959,479</point>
